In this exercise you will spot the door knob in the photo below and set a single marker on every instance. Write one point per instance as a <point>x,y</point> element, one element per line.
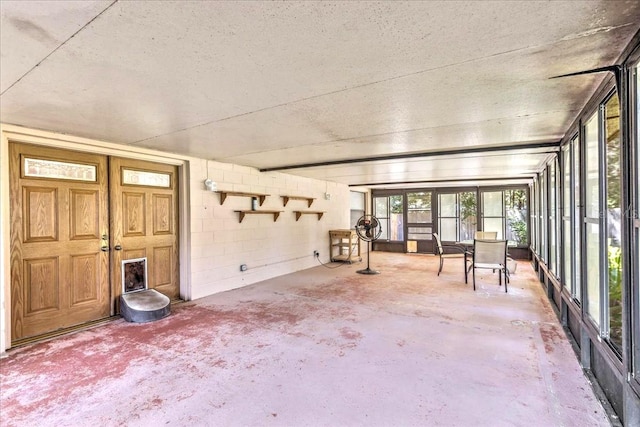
<point>104,248</point>
<point>117,247</point>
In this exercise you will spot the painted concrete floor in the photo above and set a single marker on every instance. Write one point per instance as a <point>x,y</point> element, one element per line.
<point>319,347</point>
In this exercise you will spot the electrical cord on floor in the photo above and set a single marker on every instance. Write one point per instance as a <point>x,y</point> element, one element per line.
<point>331,268</point>
<point>337,266</point>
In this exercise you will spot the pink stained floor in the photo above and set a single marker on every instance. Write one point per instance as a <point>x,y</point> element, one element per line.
<point>319,347</point>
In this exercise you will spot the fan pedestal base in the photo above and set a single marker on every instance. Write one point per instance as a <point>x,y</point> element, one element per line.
<point>368,271</point>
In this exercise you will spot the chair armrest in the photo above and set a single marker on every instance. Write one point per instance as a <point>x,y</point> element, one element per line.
<point>453,249</point>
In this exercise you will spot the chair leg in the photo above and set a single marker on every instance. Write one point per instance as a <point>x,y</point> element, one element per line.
<point>474,278</point>
<point>440,268</point>
<point>468,264</point>
<point>506,279</point>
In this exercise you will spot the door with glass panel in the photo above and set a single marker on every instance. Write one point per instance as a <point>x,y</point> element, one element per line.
<point>71,227</point>
<point>144,222</point>
<point>59,239</point>
<point>419,221</point>
<point>493,212</point>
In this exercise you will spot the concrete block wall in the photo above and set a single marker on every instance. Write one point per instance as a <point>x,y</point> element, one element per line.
<point>220,244</point>
<point>217,243</point>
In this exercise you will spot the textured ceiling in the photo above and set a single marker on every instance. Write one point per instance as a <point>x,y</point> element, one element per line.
<point>280,84</point>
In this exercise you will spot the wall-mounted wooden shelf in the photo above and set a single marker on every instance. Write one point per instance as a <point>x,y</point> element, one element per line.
<point>285,199</point>
<point>300,213</point>
<point>275,214</point>
<point>224,194</point>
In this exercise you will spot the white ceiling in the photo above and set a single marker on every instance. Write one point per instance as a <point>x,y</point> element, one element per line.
<point>279,84</point>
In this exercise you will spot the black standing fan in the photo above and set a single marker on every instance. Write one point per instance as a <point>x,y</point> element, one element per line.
<point>368,229</point>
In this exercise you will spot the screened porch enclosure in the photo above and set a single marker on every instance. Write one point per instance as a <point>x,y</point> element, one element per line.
<point>410,217</point>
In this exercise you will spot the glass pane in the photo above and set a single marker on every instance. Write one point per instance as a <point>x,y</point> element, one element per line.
<point>592,260</point>
<point>614,221</point>
<point>42,168</point>
<point>566,184</point>
<point>567,265</point>
<point>419,216</point>
<point>357,200</point>
<point>492,204</point>
<point>420,200</point>
<point>384,223</point>
<point>380,207</point>
<point>395,204</point>
<point>420,233</point>
<point>468,215</point>
<point>543,216</point>
<point>577,256</point>
<point>355,216</point>
<point>493,224</point>
<point>447,205</point>
<point>150,179</point>
<point>448,229</point>
<point>396,224</point>
<point>419,207</point>
<point>396,228</point>
<point>592,202</point>
<point>426,230</point>
<point>552,218</point>
<point>420,236</point>
<point>566,280</point>
<point>516,204</point>
<point>534,215</point>
<point>636,363</point>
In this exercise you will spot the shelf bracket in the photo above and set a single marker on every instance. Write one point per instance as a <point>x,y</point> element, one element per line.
<point>300,213</point>
<point>242,214</point>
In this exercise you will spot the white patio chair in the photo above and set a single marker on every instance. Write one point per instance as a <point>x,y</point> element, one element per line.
<point>490,255</point>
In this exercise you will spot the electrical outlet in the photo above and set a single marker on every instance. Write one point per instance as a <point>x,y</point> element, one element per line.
<point>316,254</point>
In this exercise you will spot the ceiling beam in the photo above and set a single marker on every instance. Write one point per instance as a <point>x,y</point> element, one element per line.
<point>551,146</point>
<point>440,181</point>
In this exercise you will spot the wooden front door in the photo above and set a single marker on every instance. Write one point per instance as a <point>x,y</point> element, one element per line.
<point>74,218</point>
<point>144,222</point>
<point>59,239</point>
